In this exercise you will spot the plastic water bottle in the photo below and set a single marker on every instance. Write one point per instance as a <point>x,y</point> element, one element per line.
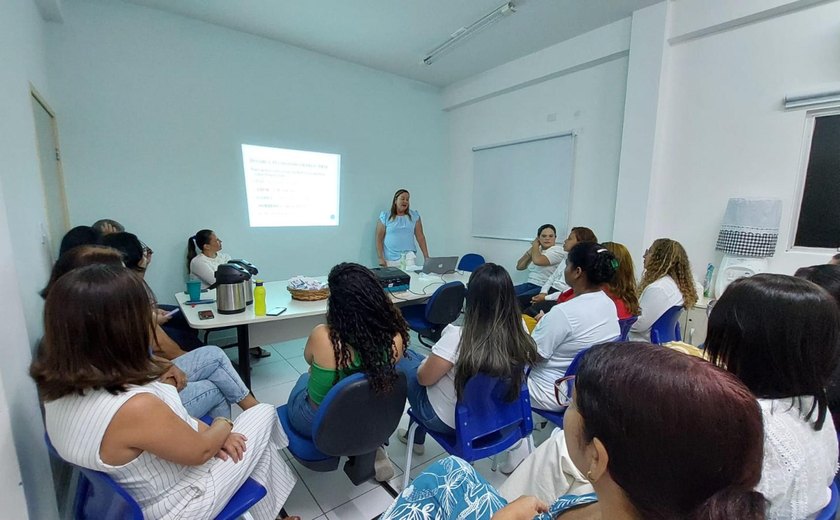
<point>259,299</point>
<point>402,260</point>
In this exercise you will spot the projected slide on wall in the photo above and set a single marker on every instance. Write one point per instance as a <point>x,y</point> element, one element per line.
<point>291,187</point>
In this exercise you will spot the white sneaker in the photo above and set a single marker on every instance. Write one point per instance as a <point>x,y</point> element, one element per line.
<point>514,457</point>
<point>382,466</point>
<point>402,435</point>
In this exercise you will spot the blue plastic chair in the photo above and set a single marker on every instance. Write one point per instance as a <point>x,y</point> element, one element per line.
<point>829,511</point>
<point>485,423</point>
<point>352,421</point>
<point>470,262</point>
<point>624,325</point>
<point>667,327</point>
<point>99,497</point>
<point>429,319</point>
<point>556,417</point>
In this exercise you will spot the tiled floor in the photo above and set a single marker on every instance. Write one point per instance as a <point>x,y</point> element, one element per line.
<point>331,495</point>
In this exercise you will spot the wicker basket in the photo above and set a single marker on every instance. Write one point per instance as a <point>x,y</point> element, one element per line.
<point>309,296</point>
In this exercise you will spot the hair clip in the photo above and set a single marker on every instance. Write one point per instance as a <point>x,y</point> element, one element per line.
<point>602,250</point>
<point>614,263</point>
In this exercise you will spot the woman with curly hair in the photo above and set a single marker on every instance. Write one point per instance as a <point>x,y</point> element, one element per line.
<point>364,333</point>
<point>666,282</point>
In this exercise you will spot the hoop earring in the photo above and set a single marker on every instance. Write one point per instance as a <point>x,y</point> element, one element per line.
<point>589,476</point>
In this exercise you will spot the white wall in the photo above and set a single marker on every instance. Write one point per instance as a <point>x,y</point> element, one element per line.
<point>580,84</point>
<point>24,262</point>
<point>725,133</point>
<point>153,109</point>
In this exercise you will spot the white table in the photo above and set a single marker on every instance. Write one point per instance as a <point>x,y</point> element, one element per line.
<point>298,320</point>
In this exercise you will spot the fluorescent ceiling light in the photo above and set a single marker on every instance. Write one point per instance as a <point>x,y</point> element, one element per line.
<point>463,33</point>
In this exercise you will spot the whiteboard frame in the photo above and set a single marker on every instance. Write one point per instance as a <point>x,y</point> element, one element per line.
<point>573,134</point>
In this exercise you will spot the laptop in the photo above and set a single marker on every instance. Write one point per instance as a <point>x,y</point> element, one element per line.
<point>440,265</point>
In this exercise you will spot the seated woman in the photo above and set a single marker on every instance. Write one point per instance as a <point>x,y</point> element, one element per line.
<point>78,236</point>
<point>625,447</point>
<point>585,320</point>
<point>781,336</point>
<point>204,256</point>
<point>622,288</point>
<point>828,277</point>
<point>492,341</point>
<point>556,286</point>
<point>541,260</point>
<point>666,283</point>
<point>106,410</point>
<point>204,377</point>
<point>364,333</point>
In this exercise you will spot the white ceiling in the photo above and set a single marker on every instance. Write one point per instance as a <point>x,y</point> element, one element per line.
<point>394,35</point>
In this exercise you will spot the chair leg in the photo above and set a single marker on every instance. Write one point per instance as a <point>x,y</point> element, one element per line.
<point>412,429</point>
<point>495,462</point>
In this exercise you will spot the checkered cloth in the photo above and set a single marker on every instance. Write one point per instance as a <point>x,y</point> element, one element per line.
<point>746,243</point>
<point>750,227</point>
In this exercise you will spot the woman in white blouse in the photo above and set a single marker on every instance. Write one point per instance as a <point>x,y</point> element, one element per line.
<point>781,336</point>
<point>666,283</point>
<point>541,260</point>
<point>204,256</point>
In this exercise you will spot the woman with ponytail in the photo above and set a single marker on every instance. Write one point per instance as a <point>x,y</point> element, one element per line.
<point>204,256</point>
<point>631,401</point>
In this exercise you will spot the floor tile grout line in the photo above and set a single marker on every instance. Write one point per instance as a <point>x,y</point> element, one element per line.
<point>302,481</point>
<point>360,496</point>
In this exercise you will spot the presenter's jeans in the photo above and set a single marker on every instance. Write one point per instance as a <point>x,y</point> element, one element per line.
<point>419,399</point>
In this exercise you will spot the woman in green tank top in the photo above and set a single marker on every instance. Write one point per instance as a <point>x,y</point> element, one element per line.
<point>364,333</point>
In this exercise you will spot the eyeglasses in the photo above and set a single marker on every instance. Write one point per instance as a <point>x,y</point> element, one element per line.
<point>147,251</point>
<point>563,390</point>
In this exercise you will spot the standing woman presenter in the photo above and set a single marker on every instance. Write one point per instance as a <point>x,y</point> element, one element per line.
<point>396,232</point>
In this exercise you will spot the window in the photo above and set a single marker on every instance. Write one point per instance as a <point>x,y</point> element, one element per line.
<point>819,212</point>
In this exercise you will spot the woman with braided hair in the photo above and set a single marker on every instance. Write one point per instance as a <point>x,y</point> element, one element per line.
<point>364,333</point>
<point>666,282</point>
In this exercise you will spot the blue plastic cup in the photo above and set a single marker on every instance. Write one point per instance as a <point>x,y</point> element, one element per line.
<point>194,289</point>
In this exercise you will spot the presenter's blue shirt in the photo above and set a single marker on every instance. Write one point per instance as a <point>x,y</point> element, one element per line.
<point>399,233</point>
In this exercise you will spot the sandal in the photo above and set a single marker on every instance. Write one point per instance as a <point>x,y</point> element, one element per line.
<point>259,352</point>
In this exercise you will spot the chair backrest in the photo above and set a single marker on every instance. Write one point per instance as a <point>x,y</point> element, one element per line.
<point>446,303</point>
<point>485,423</point>
<point>470,261</point>
<point>829,511</point>
<point>624,326</point>
<point>99,497</point>
<point>354,420</point>
<point>667,327</point>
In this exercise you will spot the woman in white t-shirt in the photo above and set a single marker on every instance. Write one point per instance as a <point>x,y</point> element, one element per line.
<point>541,260</point>
<point>666,282</point>
<point>493,341</point>
<point>780,335</point>
<point>204,256</point>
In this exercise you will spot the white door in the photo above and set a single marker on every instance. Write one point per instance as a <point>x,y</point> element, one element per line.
<point>55,201</point>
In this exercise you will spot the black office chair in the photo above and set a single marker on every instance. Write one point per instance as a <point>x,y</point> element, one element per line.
<point>429,319</point>
<point>352,421</point>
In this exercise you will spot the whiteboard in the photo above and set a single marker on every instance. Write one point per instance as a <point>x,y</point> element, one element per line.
<point>519,186</point>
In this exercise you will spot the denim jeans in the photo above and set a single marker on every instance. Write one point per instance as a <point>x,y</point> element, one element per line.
<point>213,385</point>
<point>301,411</point>
<point>419,399</point>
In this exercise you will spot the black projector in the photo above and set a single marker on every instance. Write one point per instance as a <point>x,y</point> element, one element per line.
<point>392,279</point>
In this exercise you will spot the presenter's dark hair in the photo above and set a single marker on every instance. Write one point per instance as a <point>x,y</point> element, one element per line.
<point>616,387</point>
<point>81,256</point>
<point>546,226</point>
<point>394,205</point>
<point>78,236</point>
<point>595,260</point>
<point>129,246</point>
<point>493,341</point>
<point>196,243</point>
<point>97,331</point>
<point>781,336</point>
<point>361,315</point>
